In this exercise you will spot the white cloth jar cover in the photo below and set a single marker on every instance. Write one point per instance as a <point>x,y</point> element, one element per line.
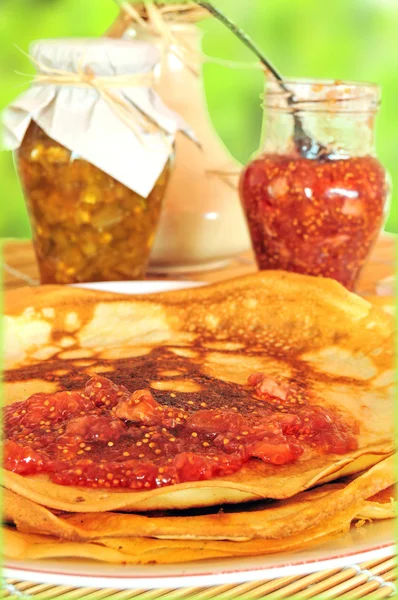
<point>78,116</point>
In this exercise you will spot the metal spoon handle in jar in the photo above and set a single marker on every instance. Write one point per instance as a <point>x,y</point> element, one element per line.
<point>305,144</point>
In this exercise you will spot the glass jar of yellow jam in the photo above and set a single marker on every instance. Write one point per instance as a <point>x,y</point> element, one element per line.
<point>94,148</point>
<point>86,226</point>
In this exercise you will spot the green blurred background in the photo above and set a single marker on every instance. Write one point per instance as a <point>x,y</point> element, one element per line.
<point>339,39</point>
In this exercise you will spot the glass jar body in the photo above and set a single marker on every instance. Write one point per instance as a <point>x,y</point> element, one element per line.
<point>86,226</point>
<point>201,206</point>
<point>317,215</point>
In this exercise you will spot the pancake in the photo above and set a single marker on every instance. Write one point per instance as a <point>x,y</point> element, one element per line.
<point>314,517</point>
<point>370,492</point>
<point>204,343</point>
<point>23,546</point>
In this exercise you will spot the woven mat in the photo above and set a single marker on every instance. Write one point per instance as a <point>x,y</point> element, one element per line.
<point>20,268</point>
<point>372,579</point>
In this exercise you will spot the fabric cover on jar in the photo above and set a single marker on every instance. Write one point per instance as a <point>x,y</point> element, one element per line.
<point>80,117</point>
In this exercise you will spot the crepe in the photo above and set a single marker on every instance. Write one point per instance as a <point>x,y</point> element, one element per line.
<point>279,323</point>
<point>150,551</point>
<point>267,520</point>
<point>311,518</point>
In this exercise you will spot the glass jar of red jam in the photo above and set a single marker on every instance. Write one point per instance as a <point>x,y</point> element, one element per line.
<point>315,198</point>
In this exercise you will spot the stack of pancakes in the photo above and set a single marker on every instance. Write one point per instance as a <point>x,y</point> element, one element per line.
<point>281,324</point>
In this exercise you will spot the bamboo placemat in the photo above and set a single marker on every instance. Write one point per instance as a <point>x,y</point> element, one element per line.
<point>372,579</point>
<point>20,269</point>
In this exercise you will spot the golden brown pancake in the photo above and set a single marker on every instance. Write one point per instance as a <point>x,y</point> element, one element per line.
<point>313,517</point>
<point>204,343</point>
<point>243,522</point>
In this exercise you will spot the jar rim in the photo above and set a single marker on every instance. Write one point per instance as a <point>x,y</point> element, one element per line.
<point>335,83</point>
<point>175,13</point>
<point>317,95</point>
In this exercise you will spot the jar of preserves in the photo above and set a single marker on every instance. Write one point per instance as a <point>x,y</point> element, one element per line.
<point>94,150</point>
<point>317,208</point>
<point>86,225</point>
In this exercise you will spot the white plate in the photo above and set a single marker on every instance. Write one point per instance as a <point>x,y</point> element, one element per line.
<point>138,287</point>
<point>370,542</point>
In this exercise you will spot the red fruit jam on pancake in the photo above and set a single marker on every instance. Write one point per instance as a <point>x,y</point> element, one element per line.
<point>106,436</point>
